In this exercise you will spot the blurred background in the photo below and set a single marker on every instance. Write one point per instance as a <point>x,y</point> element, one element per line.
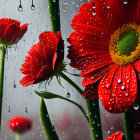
<point>20,101</point>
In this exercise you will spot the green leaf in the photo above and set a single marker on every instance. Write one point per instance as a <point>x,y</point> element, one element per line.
<point>49,95</point>
<point>46,122</point>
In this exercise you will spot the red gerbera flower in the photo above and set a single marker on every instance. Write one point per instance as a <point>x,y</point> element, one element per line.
<point>105,46</point>
<point>44,59</point>
<point>11,31</point>
<point>116,136</point>
<point>20,124</point>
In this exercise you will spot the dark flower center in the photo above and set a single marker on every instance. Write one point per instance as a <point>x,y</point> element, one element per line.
<point>127,43</point>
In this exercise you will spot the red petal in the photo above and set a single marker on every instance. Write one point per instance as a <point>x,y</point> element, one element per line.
<point>10,31</point>
<point>1,32</point>
<point>116,136</point>
<point>137,65</point>
<point>19,34</point>
<point>6,21</point>
<point>91,91</point>
<point>96,75</point>
<point>118,89</point>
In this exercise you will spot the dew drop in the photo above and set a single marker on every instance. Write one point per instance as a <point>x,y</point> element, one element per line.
<point>108,7</point>
<point>68,95</point>
<point>136,106</point>
<point>126,94</point>
<point>93,13</point>
<point>122,88</point>
<point>119,81</point>
<point>9,109</point>
<point>125,1</point>
<point>26,110</point>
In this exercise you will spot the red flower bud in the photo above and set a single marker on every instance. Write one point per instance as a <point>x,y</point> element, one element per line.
<point>20,124</point>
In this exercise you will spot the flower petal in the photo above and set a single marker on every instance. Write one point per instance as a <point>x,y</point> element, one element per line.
<point>118,89</point>
<point>116,136</point>
<point>91,91</point>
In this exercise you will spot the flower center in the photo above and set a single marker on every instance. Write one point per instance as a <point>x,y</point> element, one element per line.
<point>128,42</point>
<point>124,45</point>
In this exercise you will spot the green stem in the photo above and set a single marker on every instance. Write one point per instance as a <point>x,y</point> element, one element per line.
<point>54,15</point>
<point>71,82</point>
<point>46,122</point>
<point>18,136</point>
<point>3,52</point>
<point>94,119</point>
<point>128,125</point>
<point>93,112</point>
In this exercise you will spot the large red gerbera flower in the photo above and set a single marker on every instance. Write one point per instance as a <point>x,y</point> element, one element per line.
<point>11,31</point>
<point>116,136</point>
<point>105,46</point>
<point>44,59</point>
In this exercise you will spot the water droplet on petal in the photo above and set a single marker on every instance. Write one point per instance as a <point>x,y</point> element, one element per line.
<point>136,106</point>
<point>125,1</point>
<point>126,94</point>
<point>119,81</point>
<point>123,88</point>
<point>108,7</point>
<point>93,13</point>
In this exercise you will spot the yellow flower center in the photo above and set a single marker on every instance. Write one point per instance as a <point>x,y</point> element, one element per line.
<point>124,45</point>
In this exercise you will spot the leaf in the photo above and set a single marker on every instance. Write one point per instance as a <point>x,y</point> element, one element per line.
<point>49,95</point>
<point>46,122</point>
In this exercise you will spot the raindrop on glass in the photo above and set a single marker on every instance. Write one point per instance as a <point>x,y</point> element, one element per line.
<point>136,106</point>
<point>64,6</point>
<point>14,86</point>
<point>53,128</point>
<point>26,110</point>
<point>125,1</point>
<point>32,7</point>
<point>20,8</point>
<point>68,95</point>
<point>9,109</point>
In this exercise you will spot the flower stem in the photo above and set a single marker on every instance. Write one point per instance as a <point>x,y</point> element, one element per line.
<point>3,52</point>
<point>71,82</point>
<point>54,15</point>
<point>93,112</point>
<point>18,136</point>
<point>128,125</point>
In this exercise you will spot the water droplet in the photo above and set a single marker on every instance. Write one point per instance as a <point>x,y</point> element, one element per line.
<point>108,7</point>
<point>122,88</point>
<point>20,8</point>
<point>14,86</point>
<point>93,13</point>
<point>64,6</point>
<point>125,1</point>
<point>126,94</point>
<point>136,106</point>
<point>68,95</point>
<point>53,128</point>
<point>9,109</point>
<point>119,81</point>
<point>54,0</point>
<point>26,110</point>
<point>107,86</point>
<point>32,7</point>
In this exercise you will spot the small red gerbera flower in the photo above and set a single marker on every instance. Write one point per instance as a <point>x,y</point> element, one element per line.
<point>44,60</point>
<point>11,31</point>
<point>20,124</point>
<point>105,46</point>
<point>116,136</point>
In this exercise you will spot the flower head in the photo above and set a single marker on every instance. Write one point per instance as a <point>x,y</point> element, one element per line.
<point>116,136</point>
<point>20,124</point>
<point>44,59</point>
<point>105,46</point>
<point>11,31</point>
